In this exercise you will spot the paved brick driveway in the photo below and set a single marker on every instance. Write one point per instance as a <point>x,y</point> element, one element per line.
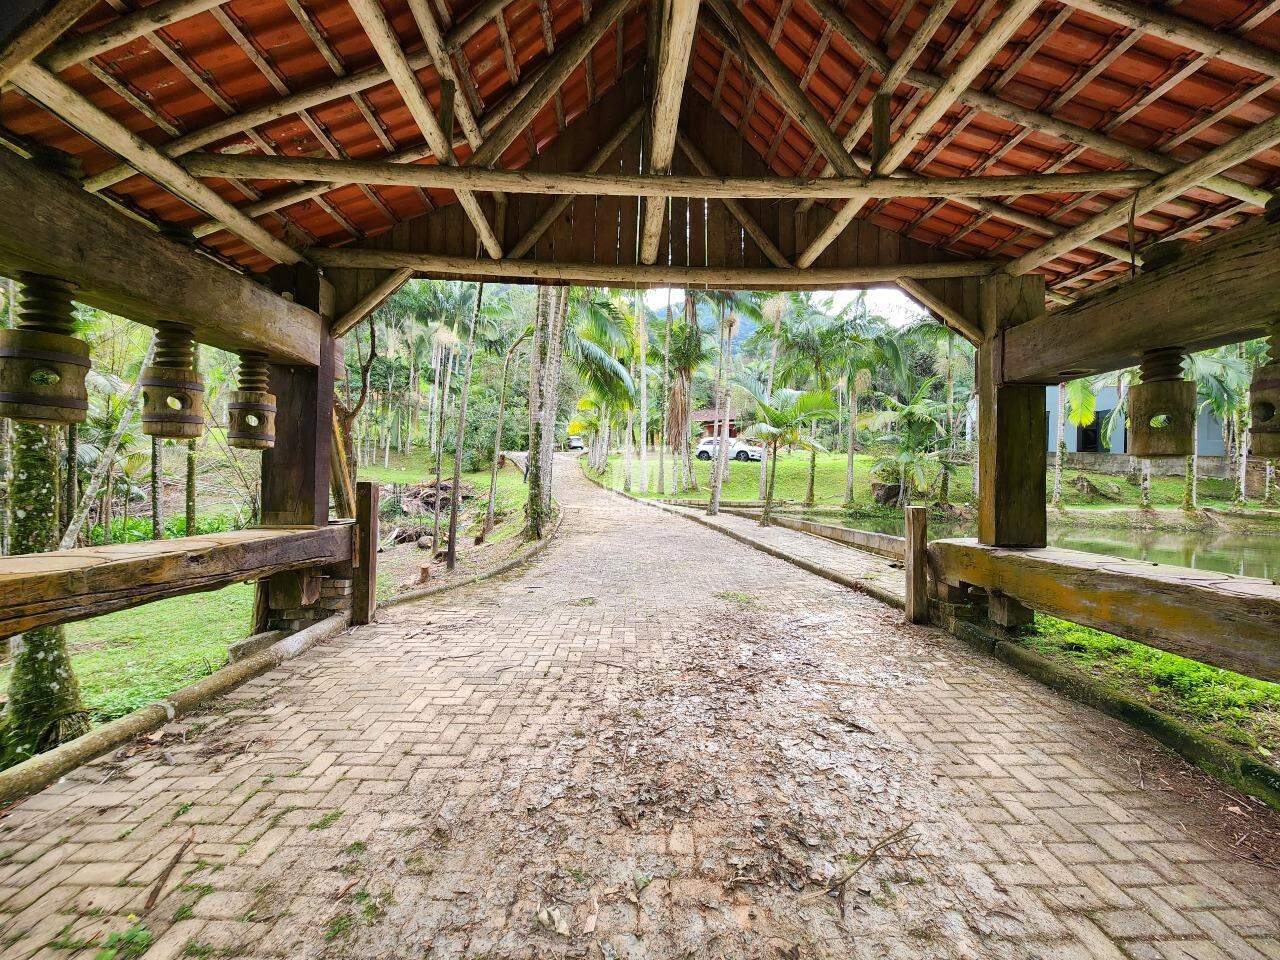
<point>653,742</point>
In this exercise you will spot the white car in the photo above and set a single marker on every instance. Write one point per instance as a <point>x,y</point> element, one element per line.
<point>739,449</point>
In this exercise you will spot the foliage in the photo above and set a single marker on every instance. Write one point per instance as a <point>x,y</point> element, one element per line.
<point>1235,708</point>
<point>139,528</point>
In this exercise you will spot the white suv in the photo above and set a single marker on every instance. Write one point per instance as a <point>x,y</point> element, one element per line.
<point>739,449</point>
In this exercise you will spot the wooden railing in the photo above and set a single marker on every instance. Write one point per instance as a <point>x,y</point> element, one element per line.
<point>38,589</point>
<point>881,544</point>
<point>1229,621</point>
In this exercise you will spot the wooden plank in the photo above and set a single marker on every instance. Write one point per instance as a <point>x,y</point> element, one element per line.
<point>38,589</point>
<point>917,565</point>
<point>364,589</point>
<point>1180,304</point>
<point>48,225</point>
<point>1228,621</point>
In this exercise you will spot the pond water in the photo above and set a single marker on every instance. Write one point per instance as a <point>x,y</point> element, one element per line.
<point>1254,556</point>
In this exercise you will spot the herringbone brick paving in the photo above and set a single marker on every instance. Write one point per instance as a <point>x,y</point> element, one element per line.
<point>653,742</point>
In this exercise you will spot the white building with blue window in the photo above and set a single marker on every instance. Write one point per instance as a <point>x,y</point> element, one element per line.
<point>1090,439</point>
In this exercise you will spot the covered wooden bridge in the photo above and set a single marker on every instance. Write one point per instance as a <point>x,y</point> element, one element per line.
<point>1075,187</point>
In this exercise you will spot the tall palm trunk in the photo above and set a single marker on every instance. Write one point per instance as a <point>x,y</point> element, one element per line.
<point>497,435</point>
<point>1242,496</point>
<point>71,484</point>
<point>1190,494</point>
<point>664,400</point>
<point>1060,445</point>
<point>191,468</point>
<point>44,707</point>
<point>642,335</point>
<point>771,449</point>
<point>551,390</point>
<point>455,494</point>
<point>157,470</point>
<point>435,509</point>
<point>6,428</point>
<point>766,514</point>
<point>533,463</point>
<point>1144,500</point>
<point>722,421</point>
<point>853,441</point>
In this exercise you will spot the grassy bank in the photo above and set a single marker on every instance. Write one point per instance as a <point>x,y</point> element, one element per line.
<point>1238,709</point>
<point>1080,489</point>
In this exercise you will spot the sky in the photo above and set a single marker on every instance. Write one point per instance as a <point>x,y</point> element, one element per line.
<point>890,303</point>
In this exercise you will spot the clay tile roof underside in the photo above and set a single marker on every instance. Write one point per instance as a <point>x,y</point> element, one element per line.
<point>1136,88</point>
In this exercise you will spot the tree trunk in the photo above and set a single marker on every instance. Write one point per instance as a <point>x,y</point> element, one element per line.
<point>90,494</point>
<point>44,707</point>
<point>722,420</point>
<point>533,463</point>
<point>497,436</point>
<point>455,498</point>
<point>853,442</point>
<point>809,495</point>
<point>1060,445</point>
<point>191,465</point>
<point>771,448</point>
<point>157,521</point>
<point>1243,495</point>
<point>1190,493</point>
<point>435,509</point>
<point>663,401</point>
<point>71,482</point>
<point>642,331</point>
<point>766,514</point>
<point>1145,500</point>
<point>551,390</point>
<point>626,451</point>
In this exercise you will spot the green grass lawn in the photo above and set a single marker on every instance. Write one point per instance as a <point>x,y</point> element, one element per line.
<point>1238,709</point>
<point>129,659</point>
<point>793,469</point>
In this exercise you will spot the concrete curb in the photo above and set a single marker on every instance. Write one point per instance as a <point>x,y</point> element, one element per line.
<point>35,774</point>
<point>884,596</point>
<point>522,556</point>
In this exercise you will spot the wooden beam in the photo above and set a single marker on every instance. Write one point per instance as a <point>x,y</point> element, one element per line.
<point>389,173</point>
<point>120,31</point>
<point>1225,620</point>
<point>562,203</point>
<point>78,112</point>
<point>561,64</point>
<point>677,24</point>
<point>384,40</point>
<point>1036,120</point>
<point>49,225</point>
<point>1260,138</point>
<point>533,271</point>
<point>370,302</point>
<point>437,47</point>
<point>947,314</point>
<point>474,22</point>
<point>1012,426</point>
<point>1184,32</point>
<point>989,43</point>
<point>27,27</point>
<point>38,589</point>
<point>1224,290</point>
<point>740,38</point>
<point>736,209</point>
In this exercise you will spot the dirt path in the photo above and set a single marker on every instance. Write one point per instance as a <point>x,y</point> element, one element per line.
<point>653,742</point>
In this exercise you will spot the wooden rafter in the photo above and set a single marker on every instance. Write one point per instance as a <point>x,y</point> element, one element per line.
<point>676,28</point>
<point>27,27</point>
<point>385,42</point>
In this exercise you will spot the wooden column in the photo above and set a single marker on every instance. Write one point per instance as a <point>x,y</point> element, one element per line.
<point>296,471</point>
<point>917,564</point>
<point>1012,425</point>
<point>364,585</point>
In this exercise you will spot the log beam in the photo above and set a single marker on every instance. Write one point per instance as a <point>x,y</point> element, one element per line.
<point>374,21</point>
<point>642,275</point>
<point>46,89</point>
<point>740,38</point>
<point>946,313</point>
<point>27,27</point>
<point>676,23</point>
<point>858,188</point>
<point>370,302</point>
<point>49,225</point>
<point>1259,138</point>
<point>1224,290</point>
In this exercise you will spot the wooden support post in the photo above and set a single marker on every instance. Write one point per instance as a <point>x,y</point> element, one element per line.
<point>1008,612</point>
<point>297,471</point>
<point>917,569</point>
<point>1013,428</point>
<point>364,589</point>
<point>879,129</point>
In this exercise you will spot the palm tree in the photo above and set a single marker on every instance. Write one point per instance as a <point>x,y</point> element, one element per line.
<point>1221,378</point>
<point>782,419</point>
<point>913,426</point>
<point>688,352</point>
<point>1077,402</point>
<point>508,353</point>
